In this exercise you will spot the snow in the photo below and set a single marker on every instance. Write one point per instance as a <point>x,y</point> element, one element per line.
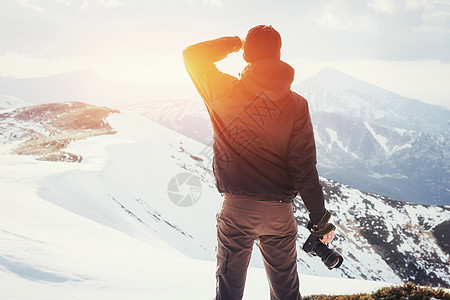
<point>402,147</point>
<point>379,176</point>
<point>9,102</point>
<point>50,253</point>
<point>356,246</point>
<point>379,138</point>
<point>411,216</point>
<point>65,231</point>
<point>334,139</point>
<point>400,130</point>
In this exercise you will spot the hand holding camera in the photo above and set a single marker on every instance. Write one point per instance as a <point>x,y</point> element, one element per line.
<point>331,258</point>
<point>316,244</point>
<point>327,238</point>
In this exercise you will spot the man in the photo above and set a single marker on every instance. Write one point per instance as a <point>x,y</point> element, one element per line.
<point>264,154</point>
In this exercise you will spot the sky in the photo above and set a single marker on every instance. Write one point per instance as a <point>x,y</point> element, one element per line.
<point>399,45</point>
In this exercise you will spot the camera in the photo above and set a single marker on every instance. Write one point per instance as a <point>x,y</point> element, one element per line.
<point>331,258</point>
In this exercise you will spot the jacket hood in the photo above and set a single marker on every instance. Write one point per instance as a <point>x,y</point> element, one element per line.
<point>271,76</point>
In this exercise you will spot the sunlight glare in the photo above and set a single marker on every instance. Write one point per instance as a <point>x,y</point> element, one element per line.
<point>233,64</point>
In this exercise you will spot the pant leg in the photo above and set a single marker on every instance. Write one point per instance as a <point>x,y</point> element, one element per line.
<point>233,256</point>
<point>279,252</point>
<point>280,261</point>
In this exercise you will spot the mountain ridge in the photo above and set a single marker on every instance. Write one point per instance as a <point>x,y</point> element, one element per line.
<point>81,85</point>
<point>331,90</point>
<point>381,137</point>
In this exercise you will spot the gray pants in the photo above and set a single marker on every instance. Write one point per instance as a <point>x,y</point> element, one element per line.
<point>242,220</point>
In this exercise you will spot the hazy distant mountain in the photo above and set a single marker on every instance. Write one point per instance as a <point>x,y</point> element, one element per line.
<point>123,184</point>
<point>366,137</point>
<point>379,141</point>
<point>188,117</point>
<point>85,85</point>
<point>333,91</point>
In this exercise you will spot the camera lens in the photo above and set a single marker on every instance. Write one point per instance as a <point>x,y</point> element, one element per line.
<point>335,262</point>
<point>332,260</point>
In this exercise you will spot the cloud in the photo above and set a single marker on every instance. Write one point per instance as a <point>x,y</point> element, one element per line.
<point>66,2</point>
<point>27,4</point>
<point>213,2</point>
<point>383,29</point>
<point>385,6</point>
<point>333,29</point>
<point>337,16</point>
<point>417,4</point>
<point>209,2</point>
<point>85,4</point>
<point>435,18</point>
<point>393,7</point>
<point>111,3</point>
<point>105,3</point>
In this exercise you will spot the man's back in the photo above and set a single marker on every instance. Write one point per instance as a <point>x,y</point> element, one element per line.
<point>254,120</point>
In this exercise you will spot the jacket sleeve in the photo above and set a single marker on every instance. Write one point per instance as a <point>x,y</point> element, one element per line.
<point>199,60</point>
<point>302,164</point>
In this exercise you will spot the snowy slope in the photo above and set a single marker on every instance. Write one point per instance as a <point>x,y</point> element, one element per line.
<point>123,182</point>
<point>172,154</point>
<point>8,102</point>
<point>103,238</point>
<point>50,253</point>
<point>124,185</point>
<point>188,117</point>
<point>384,239</point>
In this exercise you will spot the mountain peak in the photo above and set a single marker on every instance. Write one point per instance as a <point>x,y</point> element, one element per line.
<point>335,80</point>
<point>331,90</point>
<point>331,71</point>
<point>84,73</point>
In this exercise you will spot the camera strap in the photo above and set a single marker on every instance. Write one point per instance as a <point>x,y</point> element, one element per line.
<point>322,227</point>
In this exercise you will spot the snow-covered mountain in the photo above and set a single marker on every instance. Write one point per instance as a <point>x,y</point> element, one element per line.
<point>125,182</point>
<point>366,137</point>
<point>82,85</point>
<point>8,102</point>
<point>187,117</point>
<point>377,140</point>
<point>333,91</point>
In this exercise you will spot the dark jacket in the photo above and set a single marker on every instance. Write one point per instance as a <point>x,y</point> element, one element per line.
<point>263,137</point>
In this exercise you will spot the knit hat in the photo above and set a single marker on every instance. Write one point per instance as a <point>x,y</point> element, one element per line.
<point>262,41</point>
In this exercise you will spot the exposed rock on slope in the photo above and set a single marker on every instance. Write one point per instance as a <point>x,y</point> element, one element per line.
<point>45,130</point>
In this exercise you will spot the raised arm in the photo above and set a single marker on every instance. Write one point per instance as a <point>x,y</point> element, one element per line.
<point>199,60</point>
